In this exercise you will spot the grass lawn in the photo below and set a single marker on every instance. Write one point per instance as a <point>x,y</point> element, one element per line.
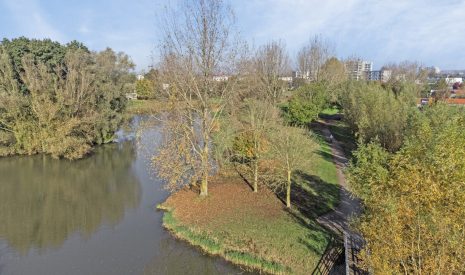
<point>318,187</point>
<point>255,229</point>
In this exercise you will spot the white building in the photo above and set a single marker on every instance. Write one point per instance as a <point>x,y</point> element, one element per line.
<point>382,75</point>
<point>140,76</point>
<point>302,75</point>
<point>286,78</point>
<point>453,80</point>
<point>359,69</point>
<point>221,78</point>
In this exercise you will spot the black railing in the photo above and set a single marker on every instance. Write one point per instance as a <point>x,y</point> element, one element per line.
<point>332,259</point>
<point>353,264</point>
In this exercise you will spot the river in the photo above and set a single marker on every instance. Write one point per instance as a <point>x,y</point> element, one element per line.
<point>93,216</point>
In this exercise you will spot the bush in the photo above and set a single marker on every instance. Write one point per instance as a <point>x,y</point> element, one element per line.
<point>63,107</point>
<point>306,104</point>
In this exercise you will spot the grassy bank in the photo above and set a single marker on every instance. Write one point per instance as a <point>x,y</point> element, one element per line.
<point>142,107</point>
<point>214,247</point>
<point>255,230</point>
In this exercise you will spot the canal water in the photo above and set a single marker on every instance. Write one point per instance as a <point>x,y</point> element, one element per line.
<point>93,216</point>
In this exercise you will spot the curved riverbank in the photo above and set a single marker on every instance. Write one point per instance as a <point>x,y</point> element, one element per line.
<point>253,230</point>
<point>215,248</point>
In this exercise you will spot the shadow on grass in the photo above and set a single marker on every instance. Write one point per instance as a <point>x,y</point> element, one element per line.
<point>317,237</point>
<point>331,157</point>
<point>313,196</point>
<point>243,177</point>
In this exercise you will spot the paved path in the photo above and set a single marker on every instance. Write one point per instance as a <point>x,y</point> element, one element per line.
<point>338,219</point>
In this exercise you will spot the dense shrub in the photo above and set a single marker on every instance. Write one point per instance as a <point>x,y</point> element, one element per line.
<point>59,100</point>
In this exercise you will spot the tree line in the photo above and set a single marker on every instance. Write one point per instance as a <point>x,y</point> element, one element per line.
<point>409,172</point>
<point>231,121</point>
<point>407,169</point>
<point>59,99</point>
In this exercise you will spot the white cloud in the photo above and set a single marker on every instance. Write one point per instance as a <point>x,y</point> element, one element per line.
<point>31,21</point>
<point>381,30</point>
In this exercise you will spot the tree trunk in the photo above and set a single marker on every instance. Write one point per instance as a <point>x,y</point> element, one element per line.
<point>255,176</point>
<point>204,183</point>
<point>288,192</point>
<point>205,154</point>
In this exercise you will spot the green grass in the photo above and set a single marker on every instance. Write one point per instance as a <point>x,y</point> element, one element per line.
<point>319,184</point>
<point>196,239</point>
<point>141,107</point>
<point>331,111</point>
<point>246,259</point>
<point>325,167</point>
<point>209,244</point>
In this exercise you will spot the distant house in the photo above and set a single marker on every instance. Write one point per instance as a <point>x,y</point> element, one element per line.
<point>131,96</point>
<point>452,80</point>
<point>301,75</point>
<point>140,77</point>
<point>221,78</point>
<point>286,78</point>
<point>423,101</point>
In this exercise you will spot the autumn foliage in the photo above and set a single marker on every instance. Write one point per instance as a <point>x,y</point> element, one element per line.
<point>414,218</point>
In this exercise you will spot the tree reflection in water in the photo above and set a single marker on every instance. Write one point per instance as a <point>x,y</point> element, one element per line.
<point>43,201</point>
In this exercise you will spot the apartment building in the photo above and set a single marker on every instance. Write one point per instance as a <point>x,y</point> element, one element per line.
<point>359,69</point>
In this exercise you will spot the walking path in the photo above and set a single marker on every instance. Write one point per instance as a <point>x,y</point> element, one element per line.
<point>349,206</point>
<point>339,219</point>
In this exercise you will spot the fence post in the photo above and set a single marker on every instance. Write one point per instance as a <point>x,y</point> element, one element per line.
<point>346,252</point>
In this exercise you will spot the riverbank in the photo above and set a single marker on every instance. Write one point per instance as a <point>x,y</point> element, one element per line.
<point>255,230</point>
<point>144,107</point>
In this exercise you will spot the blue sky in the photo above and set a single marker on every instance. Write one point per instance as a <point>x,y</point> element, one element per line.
<point>431,32</point>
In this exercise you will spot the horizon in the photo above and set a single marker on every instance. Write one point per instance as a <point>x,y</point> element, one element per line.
<point>378,32</point>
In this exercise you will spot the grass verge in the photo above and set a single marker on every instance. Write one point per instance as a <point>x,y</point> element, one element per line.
<point>143,107</point>
<point>215,248</point>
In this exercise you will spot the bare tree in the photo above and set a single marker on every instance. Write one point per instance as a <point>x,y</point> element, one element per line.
<point>404,71</point>
<point>313,56</point>
<point>198,46</point>
<point>333,73</point>
<point>257,119</point>
<point>293,149</point>
<point>272,63</point>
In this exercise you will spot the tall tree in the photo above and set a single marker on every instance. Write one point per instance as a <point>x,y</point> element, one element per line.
<point>199,43</point>
<point>257,120</point>
<point>334,74</point>
<point>312,56</point>
<point>374,112</point>
<point>272,63</point>
<point>292,149</point>
<point>413,220</point>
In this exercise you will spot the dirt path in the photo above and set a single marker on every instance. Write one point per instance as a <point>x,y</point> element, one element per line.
<point>338,219</point>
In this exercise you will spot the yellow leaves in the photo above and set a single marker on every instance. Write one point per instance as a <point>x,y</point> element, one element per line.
<point>414,220</point>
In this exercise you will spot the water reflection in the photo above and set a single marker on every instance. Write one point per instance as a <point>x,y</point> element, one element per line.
<point>66,206</point>
<point>43,201</point>
<point>173,259</point>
